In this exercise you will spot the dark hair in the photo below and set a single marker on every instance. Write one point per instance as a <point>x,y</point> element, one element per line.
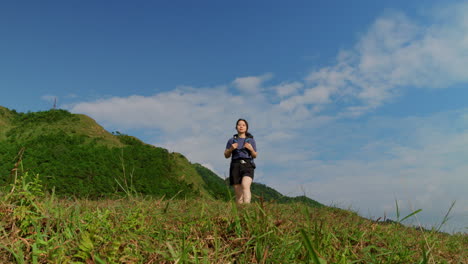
<point>247,134</point>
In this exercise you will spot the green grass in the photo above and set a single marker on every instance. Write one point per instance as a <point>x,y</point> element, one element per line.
<point>39,228</point>
<point>5,122</point>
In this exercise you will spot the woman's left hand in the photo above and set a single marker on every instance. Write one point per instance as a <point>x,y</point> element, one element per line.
<point>251,149</point>
<point>248,146</point>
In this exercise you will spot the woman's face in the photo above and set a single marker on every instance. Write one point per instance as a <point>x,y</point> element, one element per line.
<point>241,127</point>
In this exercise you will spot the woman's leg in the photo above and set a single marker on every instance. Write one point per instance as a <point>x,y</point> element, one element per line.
<point>246,182</point>
<point>239,193</point>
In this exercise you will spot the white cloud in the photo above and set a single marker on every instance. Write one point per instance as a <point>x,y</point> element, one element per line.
<point>287,89</point>
<point>394,54</point>
<point>180,110</point>
<point>251,84</point>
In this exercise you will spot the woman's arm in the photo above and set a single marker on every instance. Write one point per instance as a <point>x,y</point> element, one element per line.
<point>253,153</point>
<point>228,152</point>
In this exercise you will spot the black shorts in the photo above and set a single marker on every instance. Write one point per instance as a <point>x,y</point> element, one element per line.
<point>238,170</point>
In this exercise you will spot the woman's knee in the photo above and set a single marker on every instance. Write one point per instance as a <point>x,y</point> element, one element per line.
<point>246,182</point>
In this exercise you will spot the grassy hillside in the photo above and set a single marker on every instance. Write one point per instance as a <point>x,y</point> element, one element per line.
<point>39,228</point>
<point>77,156</point>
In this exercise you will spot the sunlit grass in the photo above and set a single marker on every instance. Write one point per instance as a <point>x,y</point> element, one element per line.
<point>39,228</point>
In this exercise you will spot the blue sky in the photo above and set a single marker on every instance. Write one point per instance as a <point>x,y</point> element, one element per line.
<point>354,103</point>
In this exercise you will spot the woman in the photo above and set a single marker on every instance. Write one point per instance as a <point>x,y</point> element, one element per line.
<point>243,149</point>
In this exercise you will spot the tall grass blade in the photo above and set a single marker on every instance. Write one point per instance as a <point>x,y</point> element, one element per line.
<point>425,259</point>
<point>397,211</point>
<point>410,215</point>
<point>18,258</point>
<point>310,249</point>
<point>166,207</point>
<point>99,260</point>
<point>446,217</point>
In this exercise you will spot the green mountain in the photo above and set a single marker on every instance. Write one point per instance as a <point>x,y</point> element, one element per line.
<point>75,156</point>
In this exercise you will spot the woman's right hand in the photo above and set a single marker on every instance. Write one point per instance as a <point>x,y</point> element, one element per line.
<point>228,152</point>
<point>234,146</point>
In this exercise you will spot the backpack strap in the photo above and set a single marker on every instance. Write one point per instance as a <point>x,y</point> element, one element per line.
<point>235,138</point>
